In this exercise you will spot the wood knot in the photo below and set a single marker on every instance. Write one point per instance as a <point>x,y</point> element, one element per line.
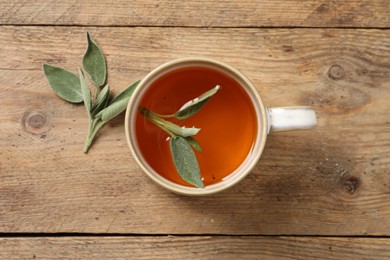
<point>35,122</point>
<point>351,184</point>
<point>336,72</point>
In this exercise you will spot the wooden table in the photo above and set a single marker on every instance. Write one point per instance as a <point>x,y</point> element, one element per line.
<point>323,193</point>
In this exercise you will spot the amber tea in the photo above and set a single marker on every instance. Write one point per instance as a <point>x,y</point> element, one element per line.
<point>228,122</point>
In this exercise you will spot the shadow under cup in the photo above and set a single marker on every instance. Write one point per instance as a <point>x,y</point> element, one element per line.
<point>233,123</point>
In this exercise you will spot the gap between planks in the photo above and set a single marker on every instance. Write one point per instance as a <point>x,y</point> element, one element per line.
<point>196,27</point>
<point>75,234</point>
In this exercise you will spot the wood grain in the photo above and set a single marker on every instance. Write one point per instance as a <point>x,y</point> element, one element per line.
<point>333,180</point>
<point>204,247</point>
<point>196,13</point>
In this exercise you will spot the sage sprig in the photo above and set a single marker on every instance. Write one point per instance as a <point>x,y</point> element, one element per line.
<point>72,88</point>
<point>182,138</point>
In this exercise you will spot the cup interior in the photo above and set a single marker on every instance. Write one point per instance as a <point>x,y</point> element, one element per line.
<point>247,163</point>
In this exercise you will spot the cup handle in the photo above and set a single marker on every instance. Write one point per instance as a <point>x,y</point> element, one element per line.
<point>291,118</point>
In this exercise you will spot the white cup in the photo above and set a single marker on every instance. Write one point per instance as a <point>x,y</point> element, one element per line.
<point>267,120</point>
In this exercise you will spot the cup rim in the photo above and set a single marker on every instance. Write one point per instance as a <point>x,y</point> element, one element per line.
<point>236,176</point>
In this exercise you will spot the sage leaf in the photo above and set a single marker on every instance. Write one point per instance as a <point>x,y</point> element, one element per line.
<point>178,130</point>
<point>193,106</point>
<point>112,110</point>
<point>185,161</point>
<point>94,62</point>
<point>188,131</point>
<point>169,127</point>
<point>118,104</point>
<point>101,101</point>
<point>86,92</point>
<point>64,83</point>
<point>191,140</point>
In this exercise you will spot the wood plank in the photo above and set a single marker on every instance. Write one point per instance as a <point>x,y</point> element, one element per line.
<point>333,180</point>
<point>198,13</point>
<point>199,247</point>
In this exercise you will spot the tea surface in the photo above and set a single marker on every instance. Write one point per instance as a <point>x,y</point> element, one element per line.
<point>228,123</point>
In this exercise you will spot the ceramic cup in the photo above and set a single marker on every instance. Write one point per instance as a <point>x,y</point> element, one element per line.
<point>268,120</point>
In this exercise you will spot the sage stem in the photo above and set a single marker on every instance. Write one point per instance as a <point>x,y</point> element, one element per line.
<point>94,129</point>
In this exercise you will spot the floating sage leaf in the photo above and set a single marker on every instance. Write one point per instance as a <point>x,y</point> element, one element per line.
<point>94,62</point>
<point>185,161</point>
<point>191,140</point>
<point>86,92</point>
<point>188,131</point>
<point>117,105</point>
<point>176,129</point>
<point>193,106</point>
<point>169,127</point>
<point>101,101</point>
<point>64,83</point>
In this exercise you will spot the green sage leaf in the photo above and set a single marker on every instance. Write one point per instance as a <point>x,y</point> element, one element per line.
<point>169,127</point>
<point>118,104</point>
<point>112,110</point>
<point>185,161</point>
<point>191,140</point>
<point>94,62</point>
<point>64,83</point>
<point>193,106</point>
<point>188,131</point>
<point>101,101</point>
<point>178,130</point>
<point>86,92</point>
